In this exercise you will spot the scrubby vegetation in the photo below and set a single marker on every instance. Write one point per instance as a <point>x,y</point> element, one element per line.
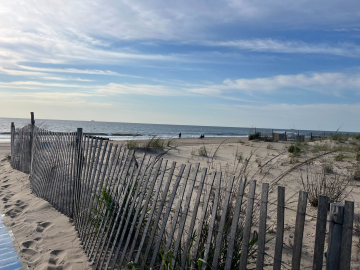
<point>317,182</point>
<point>153,144</point>
<point>255,136</point>
<point>202,151</point>
<point>294,149</point>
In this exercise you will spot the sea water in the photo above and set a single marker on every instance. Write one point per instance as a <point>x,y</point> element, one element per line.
<point>131,131</point>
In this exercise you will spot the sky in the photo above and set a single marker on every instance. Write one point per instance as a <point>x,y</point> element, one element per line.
<point>240,63</point>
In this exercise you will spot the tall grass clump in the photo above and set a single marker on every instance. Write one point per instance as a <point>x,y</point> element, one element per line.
<point>155,143</point>
<point>317,182</point>
<point>320,147</point>
<point>339,137</point>
<point>202,151</point>
<point>295,149</point>
<point>132,145</point>
<point>340,157</point>
<point>7,158</point>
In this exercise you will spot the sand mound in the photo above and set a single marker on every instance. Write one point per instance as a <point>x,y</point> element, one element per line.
<point>45,239</point>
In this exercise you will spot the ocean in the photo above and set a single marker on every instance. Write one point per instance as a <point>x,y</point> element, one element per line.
<point>131,131</point>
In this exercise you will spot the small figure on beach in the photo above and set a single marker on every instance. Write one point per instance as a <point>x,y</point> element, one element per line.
<point>202,136</point>
<point>180,135</point>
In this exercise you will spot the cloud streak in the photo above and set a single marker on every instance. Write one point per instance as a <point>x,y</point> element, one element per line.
<point>278,46</point>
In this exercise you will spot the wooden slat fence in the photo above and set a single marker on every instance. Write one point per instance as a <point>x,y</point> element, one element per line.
<point>143,213</point>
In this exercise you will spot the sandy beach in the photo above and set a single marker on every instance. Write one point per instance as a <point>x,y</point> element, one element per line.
<point>45,239</point>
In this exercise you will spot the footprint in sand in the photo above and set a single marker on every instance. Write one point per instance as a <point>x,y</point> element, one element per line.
<point>14,212</point>
<point>42,226</point>
<point>29,255</point>
<point>28,244</point>
<point>18,207</point>
<point>20,204</point>
<point>7,197</point>
<point>5,186</point>
<point>57,257</point>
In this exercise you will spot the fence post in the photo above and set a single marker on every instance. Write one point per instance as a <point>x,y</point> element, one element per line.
<point>299,230</point>
<point>279,228</point>
<point>262,227</point>
<point>12,142</point>
<point>320,232</point>
<point>247,226</point>
<point>31,137</point>
<point>78,168</point>
<point>346,242</point>
<point>335,236</point>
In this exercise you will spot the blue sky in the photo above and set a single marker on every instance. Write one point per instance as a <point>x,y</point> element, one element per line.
<point>239,63</point>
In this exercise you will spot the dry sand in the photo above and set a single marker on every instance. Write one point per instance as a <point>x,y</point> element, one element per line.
<point>45,238</point>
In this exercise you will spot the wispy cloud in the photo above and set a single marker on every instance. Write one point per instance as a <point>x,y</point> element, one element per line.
<point>139,89</point>
<point>328,83</point>
<point>278,46</point>
<point>52,98</point>
<point>77,71</point>
<point>38,85</point>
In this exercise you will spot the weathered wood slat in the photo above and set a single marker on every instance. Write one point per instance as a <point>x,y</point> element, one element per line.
<point>88,155</point>
<point>102,211</point>
<point>335,236</point>
<point>157,219</point>
<point>212,222</point>
<point>201,220</point>
<point>105,221</point>
<point>220,235</point>
<point>129,221</point>
<point>149,219</point>
<point>92,198</point>
<point>176,215</point>
<point>87,190</point>
<point>247,226</point>
<point>346,241</point>
<point>234,224</point>
<point>193,218</point>
<point>145,209</point>
<point>166,216</point>
<point>320,232</point>
<point>299,230</point>
<point>109,219</point>
<point>279,228</point>
<point>114,219</point>
<point>136,182</point>
<point>98,191</point>
<point>184,214</point>
<point>262,227</point>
